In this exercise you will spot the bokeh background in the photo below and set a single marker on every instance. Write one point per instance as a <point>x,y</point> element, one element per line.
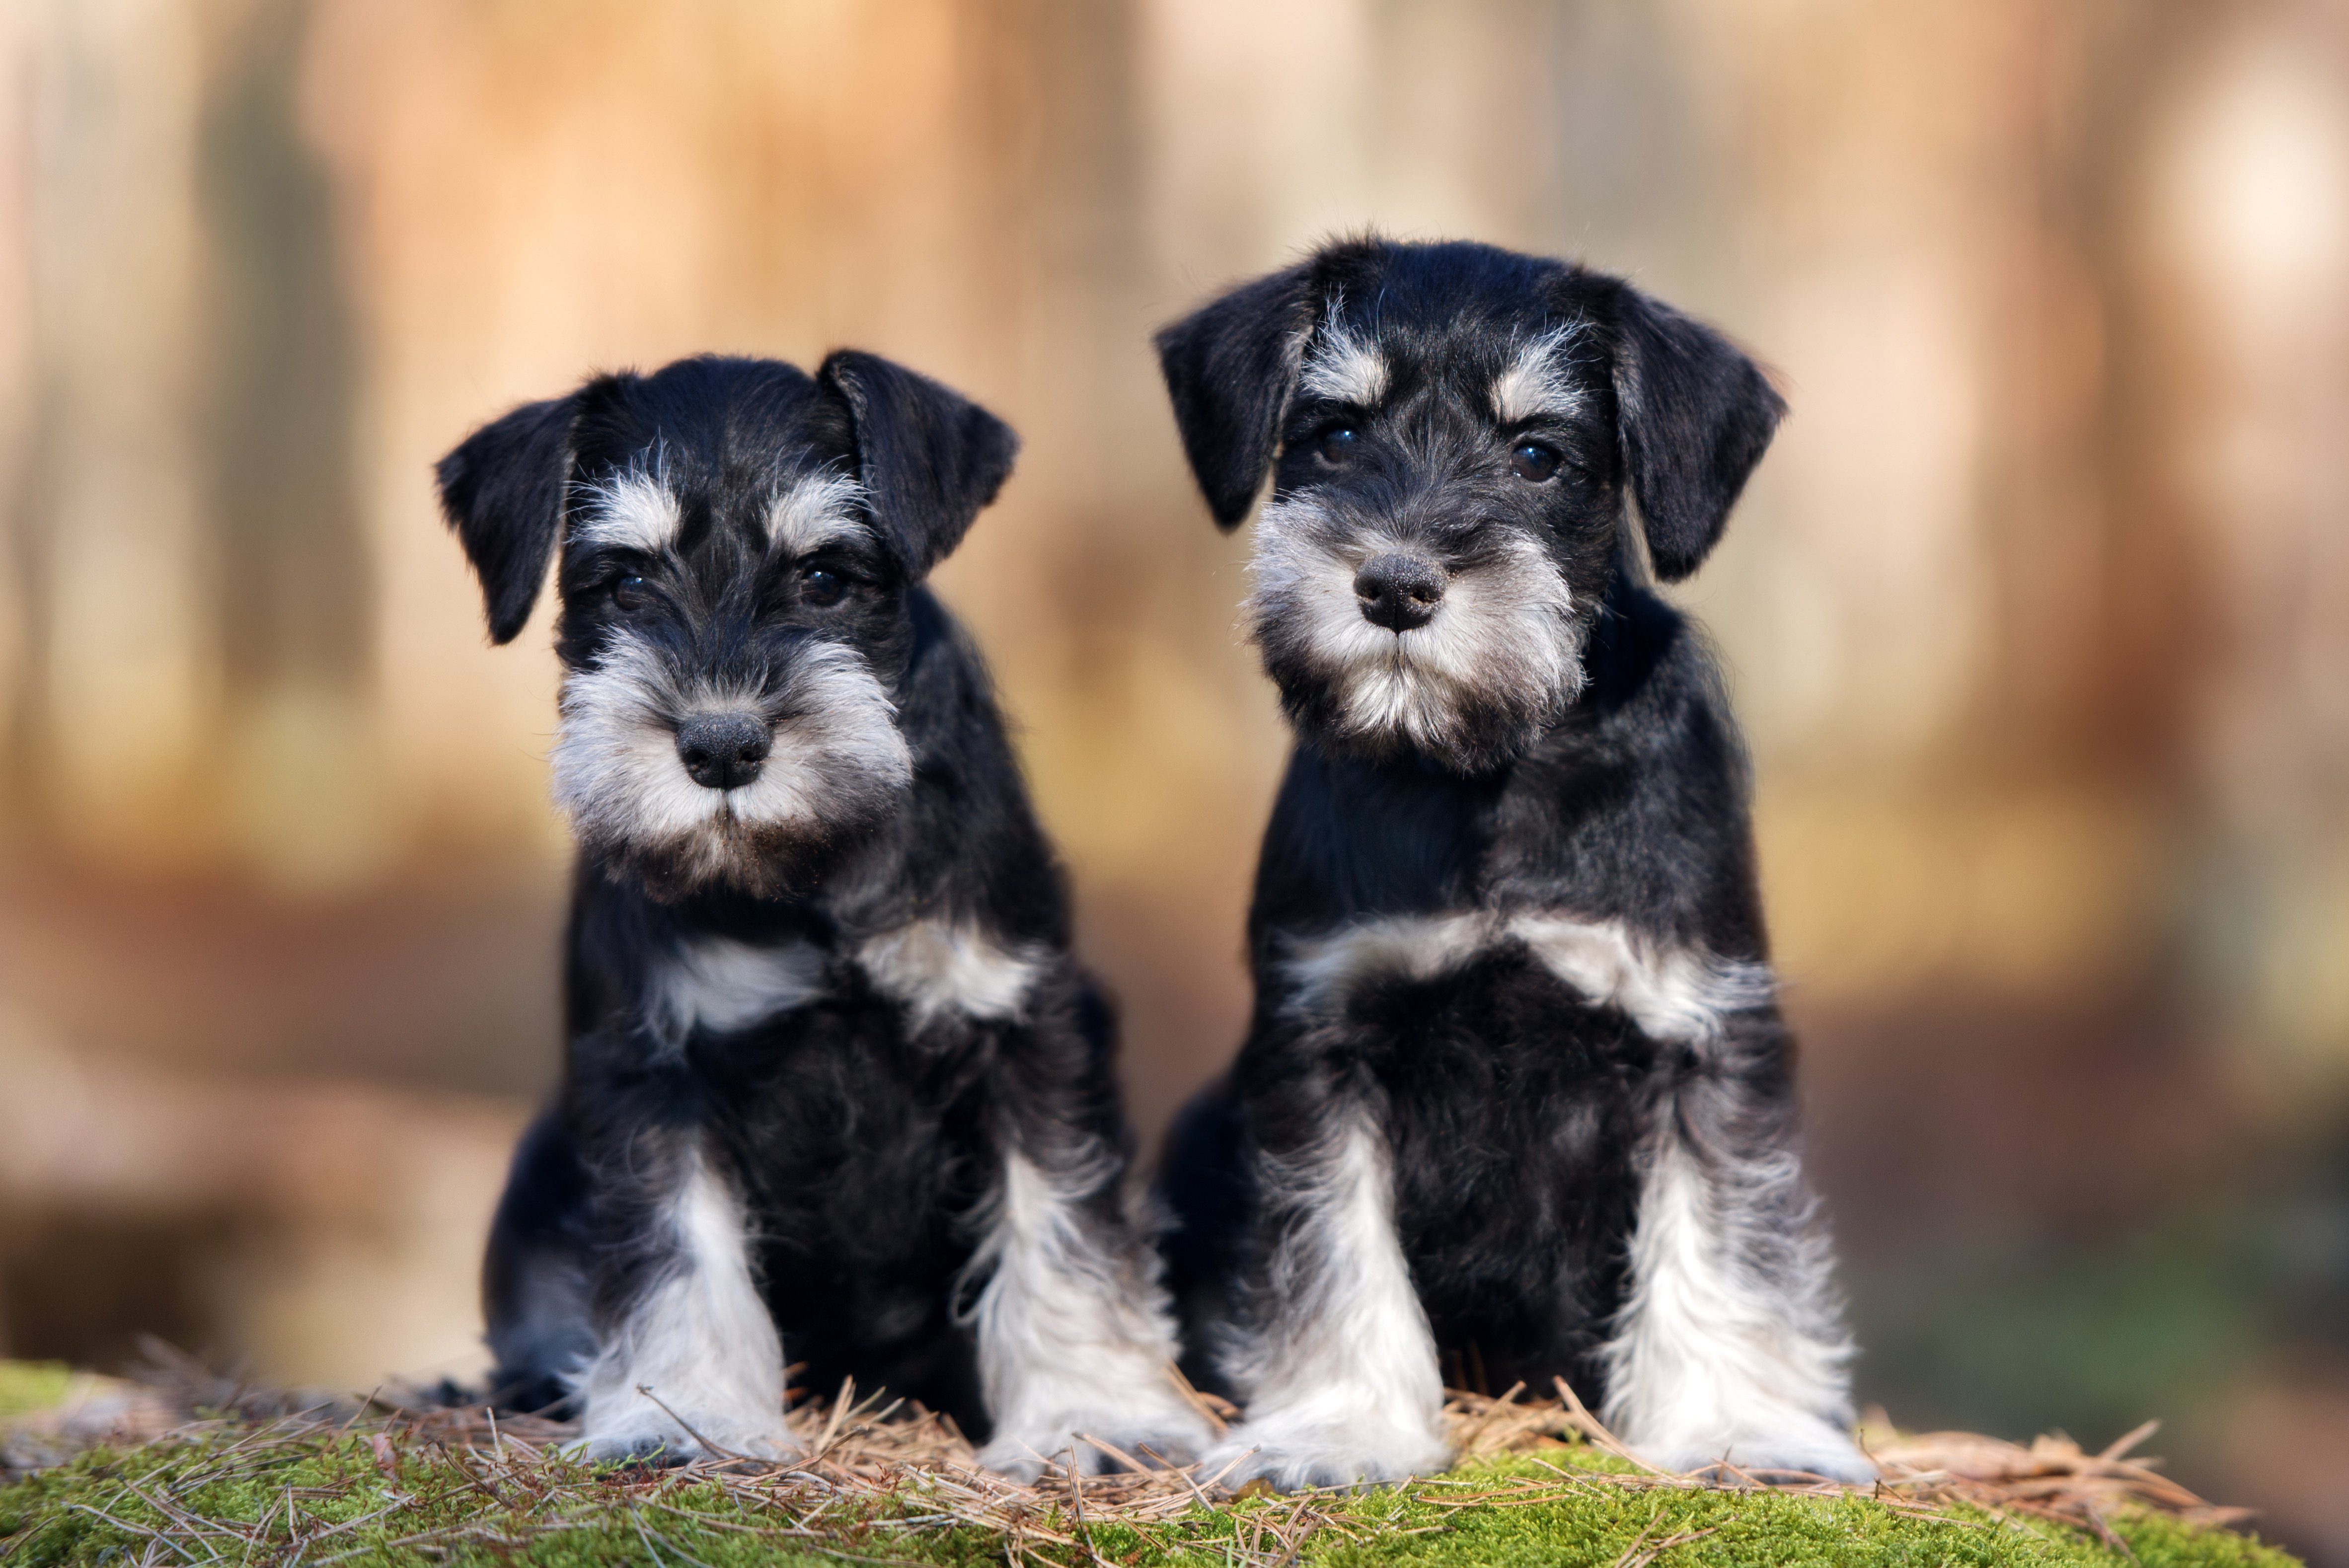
<point>2038,612</point>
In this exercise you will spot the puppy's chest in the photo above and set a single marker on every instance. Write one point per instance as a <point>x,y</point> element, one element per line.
<point>927,981</point>
<point>1491,978</point>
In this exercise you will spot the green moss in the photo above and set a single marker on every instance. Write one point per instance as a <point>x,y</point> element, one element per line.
<point>254,1497</point>
<point>29,1385</point>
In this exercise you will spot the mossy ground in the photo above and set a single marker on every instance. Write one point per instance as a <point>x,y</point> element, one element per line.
<point>316,1497</point>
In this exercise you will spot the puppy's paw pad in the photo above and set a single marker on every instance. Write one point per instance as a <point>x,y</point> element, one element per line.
<point>1023,1458</point>
<point>646,1450</point>
<point>1174,1442</point>
<point>1023,1452</point>
<point>1781,1459</point>
<point>666,1450</point>
<point>1293,1463</point>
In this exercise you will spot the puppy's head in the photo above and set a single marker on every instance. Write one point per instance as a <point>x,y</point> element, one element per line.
<point>735,542</point>
<point>1453,432</point>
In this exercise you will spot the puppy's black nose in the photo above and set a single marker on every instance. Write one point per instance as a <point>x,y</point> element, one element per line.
<point>723,750</point>
<point>1399,592</point>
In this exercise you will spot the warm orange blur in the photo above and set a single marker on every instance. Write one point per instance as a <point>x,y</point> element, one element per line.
<point>2038,614</point>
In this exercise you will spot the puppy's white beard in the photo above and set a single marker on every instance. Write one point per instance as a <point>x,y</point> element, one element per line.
<point>1503,642</point>
<point>837,757</point>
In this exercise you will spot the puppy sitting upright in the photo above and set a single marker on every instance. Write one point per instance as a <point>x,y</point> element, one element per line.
<point>835,1089</point>
<point>1516,1088</point>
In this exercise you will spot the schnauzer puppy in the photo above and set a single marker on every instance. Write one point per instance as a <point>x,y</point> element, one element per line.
<point>835,1092</point>
<point>1516,1097</point>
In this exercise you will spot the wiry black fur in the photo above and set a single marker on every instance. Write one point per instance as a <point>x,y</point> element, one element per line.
<point>864,1148</point>
<point>1513,1107</point>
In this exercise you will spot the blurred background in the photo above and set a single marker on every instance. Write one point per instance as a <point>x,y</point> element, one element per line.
<point>2038,612</point>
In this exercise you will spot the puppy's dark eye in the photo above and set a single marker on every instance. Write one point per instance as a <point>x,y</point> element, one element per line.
<point>631,593</point>
<point>1337,444</point>
<point>818,587</point>
<point>1533,461</point>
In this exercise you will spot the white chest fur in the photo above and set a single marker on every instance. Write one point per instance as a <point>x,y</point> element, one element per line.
<point>1671,992</point>
<point>939,968</point>
<point>936,969</point>
<point>718,983</point>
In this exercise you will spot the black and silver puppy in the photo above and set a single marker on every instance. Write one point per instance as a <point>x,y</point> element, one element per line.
<point>835,1091</point>
<point>1516,1089</point>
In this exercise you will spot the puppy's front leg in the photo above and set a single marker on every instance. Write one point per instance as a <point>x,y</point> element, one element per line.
<point>1338,1372</point>
<point>690,1359</point>
<point>1075,1339</point>
<point>1731,1345</point>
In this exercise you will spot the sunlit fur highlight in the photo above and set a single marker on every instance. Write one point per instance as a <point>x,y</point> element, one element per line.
<point>630,508</point>
<point>815,511</point>
<point>1539,379</point>
<point>1345,367</point>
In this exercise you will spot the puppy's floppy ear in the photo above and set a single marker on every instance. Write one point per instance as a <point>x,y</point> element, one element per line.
<point>1695,416</point>
<point>1229,369</point>
<point>503,490</point>
<point>929,456</point>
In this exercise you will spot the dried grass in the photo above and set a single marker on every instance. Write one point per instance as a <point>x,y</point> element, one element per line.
<point>875,1469</point>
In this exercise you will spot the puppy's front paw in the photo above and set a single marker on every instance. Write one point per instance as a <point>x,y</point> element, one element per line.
<point>653,1450</point>
<point>1176,1436</point>
<point>661,1444</point>
<point>1024,1456</point>
<point>1824,1453</point>
<point>1290,1458</point>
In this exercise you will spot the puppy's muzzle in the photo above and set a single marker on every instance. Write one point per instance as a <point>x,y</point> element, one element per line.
<point>1399,592</point>
<point>724,750</point>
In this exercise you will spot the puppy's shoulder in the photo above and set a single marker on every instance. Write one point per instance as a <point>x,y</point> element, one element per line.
<point>970,837</point>
<point>946,677</point>
<point>946,702</point>
<point>1656,687</point>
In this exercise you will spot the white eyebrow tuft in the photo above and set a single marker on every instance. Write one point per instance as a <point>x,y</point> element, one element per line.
<point>1346,367</point>
<point>815,511</point>
<point>1536,380</point>
<point>633,508</point>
